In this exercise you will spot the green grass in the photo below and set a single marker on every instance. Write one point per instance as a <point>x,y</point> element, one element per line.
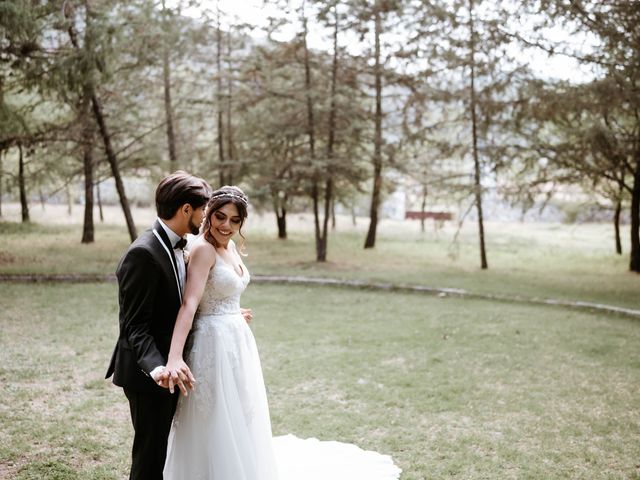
<point>60,421</point>
<point>43,249</point>
<point>567,262</point>
<point>450,388</point>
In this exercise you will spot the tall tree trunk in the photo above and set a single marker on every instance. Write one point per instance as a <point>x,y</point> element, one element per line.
<point>616,225</point>
<point>370,241</point>
<point>99,202</point>
<point>87,157</point>
<point>280,209</point>
<point>328,188</point>
<point>2,151</point>
<point>104,133</point>
<point>476,160</point>
<point>315,194</point>
<point>168,106</point>
<point>21,185</point>
<point>423,208</point>
<point>315,198</point>
<point>328,193</point>
<point>282,224</point>
<point>220,137</point>
<point>42,199</point>
<point>231,151</point>
<point>333,213</point>
<point>113,163</point>
<point>634,262</point>
<point>88,226</point>
<point>1,179</point>
<point>68,190</point>
<point>618,212</point>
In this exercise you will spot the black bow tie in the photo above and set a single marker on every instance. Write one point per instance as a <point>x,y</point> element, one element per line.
<point>180,244</point>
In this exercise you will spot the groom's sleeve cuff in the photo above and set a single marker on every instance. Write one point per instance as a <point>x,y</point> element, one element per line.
<point>156,371</point>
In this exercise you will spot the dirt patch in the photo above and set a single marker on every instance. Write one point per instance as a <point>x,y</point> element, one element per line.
<point>9,469</point>
<point>6,259</point>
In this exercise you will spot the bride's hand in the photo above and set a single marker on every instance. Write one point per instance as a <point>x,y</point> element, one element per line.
<point>180,375</point>
<point>247,314</point>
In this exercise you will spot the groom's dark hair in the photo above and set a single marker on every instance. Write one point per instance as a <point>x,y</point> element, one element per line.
<point>178,189</point>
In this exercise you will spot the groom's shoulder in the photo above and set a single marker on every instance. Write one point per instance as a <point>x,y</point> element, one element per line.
<point>145,241</point>
<point>141,247</point>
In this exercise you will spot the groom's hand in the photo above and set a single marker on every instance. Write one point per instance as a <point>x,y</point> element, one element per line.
<point>180,375</point>
<point>160,375</point>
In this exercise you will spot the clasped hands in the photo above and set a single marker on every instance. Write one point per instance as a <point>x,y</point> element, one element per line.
<point>177,372</point>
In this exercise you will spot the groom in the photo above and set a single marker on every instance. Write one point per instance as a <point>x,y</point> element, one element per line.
<point>151,277</point>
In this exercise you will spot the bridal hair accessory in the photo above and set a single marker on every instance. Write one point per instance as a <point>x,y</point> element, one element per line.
<point>230,195</point>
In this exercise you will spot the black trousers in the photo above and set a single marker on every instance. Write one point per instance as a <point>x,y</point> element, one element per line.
<point>151,414</point>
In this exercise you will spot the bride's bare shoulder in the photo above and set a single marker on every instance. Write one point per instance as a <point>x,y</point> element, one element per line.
<point>202,251</point>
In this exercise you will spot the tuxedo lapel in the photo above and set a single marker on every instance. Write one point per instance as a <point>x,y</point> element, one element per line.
<point>163,235</point>
<point>167,248</point>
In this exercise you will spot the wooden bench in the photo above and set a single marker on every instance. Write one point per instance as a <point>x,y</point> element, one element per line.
<point>414,215</point>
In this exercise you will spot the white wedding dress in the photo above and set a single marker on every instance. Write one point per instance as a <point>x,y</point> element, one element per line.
<point>222,430</point>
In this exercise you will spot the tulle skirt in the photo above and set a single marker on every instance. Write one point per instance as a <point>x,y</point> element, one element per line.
<point>222,430</point>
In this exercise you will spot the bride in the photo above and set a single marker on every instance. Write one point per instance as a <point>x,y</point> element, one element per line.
<point>221,429</point>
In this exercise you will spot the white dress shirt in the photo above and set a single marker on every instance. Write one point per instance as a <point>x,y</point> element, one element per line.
<point>178,254</point>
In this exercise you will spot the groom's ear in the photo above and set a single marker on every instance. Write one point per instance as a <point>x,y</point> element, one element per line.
<point>186,209</point>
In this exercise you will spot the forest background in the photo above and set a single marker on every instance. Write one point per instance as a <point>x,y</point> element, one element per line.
<point>495,336</point>
<point>448,102</point>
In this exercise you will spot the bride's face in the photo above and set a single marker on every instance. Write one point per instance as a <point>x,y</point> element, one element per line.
<point>225,223</point>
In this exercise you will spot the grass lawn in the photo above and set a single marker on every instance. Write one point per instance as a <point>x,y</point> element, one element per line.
<point>450,388</point>
<point>567,262</point>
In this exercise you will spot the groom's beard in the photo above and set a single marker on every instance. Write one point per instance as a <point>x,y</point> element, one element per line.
<point>193,228</point>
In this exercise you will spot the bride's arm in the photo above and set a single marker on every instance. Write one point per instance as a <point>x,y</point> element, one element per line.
<point>201,259</point>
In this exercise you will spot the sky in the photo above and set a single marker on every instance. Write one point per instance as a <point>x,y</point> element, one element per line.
<point>255,12</point>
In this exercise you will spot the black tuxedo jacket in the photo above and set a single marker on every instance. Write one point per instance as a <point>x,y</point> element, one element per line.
<point>149,297</point>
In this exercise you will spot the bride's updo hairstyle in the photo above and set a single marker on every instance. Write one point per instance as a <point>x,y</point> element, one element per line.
<point>218,199</point>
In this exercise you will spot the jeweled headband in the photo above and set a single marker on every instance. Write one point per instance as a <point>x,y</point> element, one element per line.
<point>230,195</point>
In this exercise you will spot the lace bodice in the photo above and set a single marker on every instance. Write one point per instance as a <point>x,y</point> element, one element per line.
<point>223,289</point>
